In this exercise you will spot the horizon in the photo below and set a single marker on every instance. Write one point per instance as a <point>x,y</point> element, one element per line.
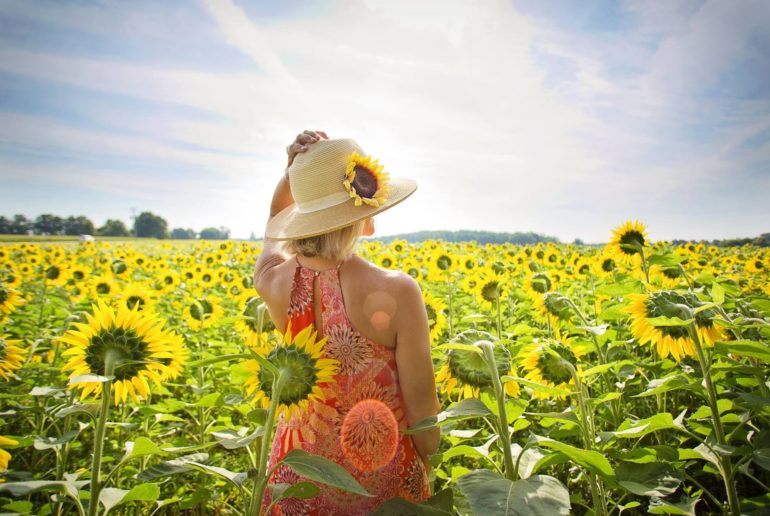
<point>560,119</point>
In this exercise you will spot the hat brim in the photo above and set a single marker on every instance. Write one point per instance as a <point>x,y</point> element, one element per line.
<point>290,224</point>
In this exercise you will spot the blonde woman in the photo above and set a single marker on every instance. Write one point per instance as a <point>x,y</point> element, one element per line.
<point>374,320</point>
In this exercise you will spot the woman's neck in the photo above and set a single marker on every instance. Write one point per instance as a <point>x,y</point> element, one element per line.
<point>318,263</point>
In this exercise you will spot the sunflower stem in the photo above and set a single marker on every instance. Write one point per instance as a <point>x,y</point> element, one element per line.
<point>644,266</point>
<point>499,318</point>
<point>726,469</point>
<point>110,358</point>
<point>255,506</point>
<point>489,354</point>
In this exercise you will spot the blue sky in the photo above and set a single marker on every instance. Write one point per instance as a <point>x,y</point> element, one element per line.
<point>565,118</point>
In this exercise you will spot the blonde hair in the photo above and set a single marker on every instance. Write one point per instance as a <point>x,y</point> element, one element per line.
<point>335,245</point>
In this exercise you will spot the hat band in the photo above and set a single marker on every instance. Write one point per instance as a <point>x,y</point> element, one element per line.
<point>322,203</point>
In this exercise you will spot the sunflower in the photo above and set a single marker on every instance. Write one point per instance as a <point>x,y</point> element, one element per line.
<point>628,240</point>
<point>756,265</point>
<point>202,312</point>
<point>491,288</point>
<point>9,300</point>
<point>552,307</point>
<point>365,181</point>
<point>169,280</point>
<point>546,368</point>
<point>468,372</point>
<point>55,273</point>
<point>5,457</point>
<point>538,284</point>
<point>670,340</point>
<point>248,324</point>
<point>11,356</point>
<point>436,309</point>
<point>412,267</point>
<point>387,261</point>
<point>604,264</point>
<point>138,295</point>
<point>302,356</point>
<point>441,262</point>
<point>103,287</point>
<point>135,343</point>
<point>78,275</point>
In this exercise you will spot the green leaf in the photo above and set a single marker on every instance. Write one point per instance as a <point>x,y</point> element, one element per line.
<point>265,363</point>
<point>209,400</point>
<point>589,459</point>
<point>761,458</point>
<point>744,348</point>
<point>648,479</point>
<point>171,467</point>
<point>661,385</point>
<point>142,447</point>
<point>24,488</point>
<point>19,507</point>
<point>232,440</point>
<point>668,321</point>
<point>467,408</point>
<point>300,490</point>
<point>649,454</point>
<point>215,360</point>
<point>686,506</point>
<point>489,493</point>
<point>668,259</point>
<point>89,409</point>
<point>401,507</point>
<point>462,347</point>
<point>234,478</point>
<point>717,293</point>
<point>90,378</point>
<point>45,391</point>
<point>111,497</point>
<point>620,288</point>
<point>322,470</point>
<point>637,429</point>
<point>595,330</point>
<point>47,443</point>
<point>463,450</point>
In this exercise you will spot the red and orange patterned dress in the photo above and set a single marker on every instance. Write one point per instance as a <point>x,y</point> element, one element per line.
<point>367,370</point>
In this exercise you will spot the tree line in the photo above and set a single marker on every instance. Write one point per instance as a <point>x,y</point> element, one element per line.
<point>146,225</point>
<point>482,237</point>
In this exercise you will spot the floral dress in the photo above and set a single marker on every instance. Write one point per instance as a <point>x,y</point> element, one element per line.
<point>367,370</point>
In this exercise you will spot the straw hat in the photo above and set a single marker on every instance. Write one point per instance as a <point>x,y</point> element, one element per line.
<point>335,184</point>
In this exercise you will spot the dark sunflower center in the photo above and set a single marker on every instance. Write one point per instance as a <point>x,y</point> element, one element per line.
<point>398,248</point>
<point>228,276</point>
<point>206,277</point>
<point>387,262</point>
<point>53,272</point>
<point>490,291</point>
<point>759,265</point>
<point>200,309</point>
<point>444,262</point>
<point>554,369</point>
<point>672,272</point>
<point>135,301</point>
<point>469,264</point>
<point>630,242</point>
<point>413,272</point>
<point>168,279</point>
<point>103,288</point>
<point>608,265</point>
<point>78,275</point>
<point>584,269</point>
<point>131,348</point>
<point>4,295</point>
<point>303,374</point>
<point>471,369</point>
<point>552,258</point>
<point>540,253</point>
<point>118,267</point>
<point>365,182</point>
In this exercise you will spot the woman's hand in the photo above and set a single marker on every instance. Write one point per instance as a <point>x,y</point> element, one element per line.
<point>301,143</point>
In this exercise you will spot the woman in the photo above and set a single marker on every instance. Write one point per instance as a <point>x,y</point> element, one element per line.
<point>374,321</point>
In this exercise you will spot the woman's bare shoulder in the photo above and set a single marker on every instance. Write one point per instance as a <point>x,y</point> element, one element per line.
<point>398,284</point>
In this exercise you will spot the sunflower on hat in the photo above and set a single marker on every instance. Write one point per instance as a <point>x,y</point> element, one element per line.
<point>365,180</point>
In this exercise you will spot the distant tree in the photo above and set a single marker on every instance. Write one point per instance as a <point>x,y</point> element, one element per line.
<point>5,225</point>
<point>113,227</point>
<point>578,241</point>
<point>21,225</point>
<point>149,225</point>
<point>48,224</point>
<point>183,234</point>
<point>762,240</point>
<point>219,233</point>
<point>79,225</point>
<point>253,237</point>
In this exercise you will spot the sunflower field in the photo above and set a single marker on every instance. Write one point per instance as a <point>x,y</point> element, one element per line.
<point>145,378</point>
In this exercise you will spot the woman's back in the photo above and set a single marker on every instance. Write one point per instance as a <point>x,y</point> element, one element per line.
<point>386,465</point>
